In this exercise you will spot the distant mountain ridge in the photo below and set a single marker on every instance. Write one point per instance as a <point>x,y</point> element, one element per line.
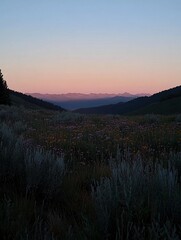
<point>73,101</point>
<point>79,96</point>
<point>169,100</point>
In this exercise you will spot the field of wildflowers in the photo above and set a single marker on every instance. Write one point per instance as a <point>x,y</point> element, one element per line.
<point>72,176</point>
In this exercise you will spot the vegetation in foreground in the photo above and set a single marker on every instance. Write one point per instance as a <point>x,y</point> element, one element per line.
<point>70,176</point>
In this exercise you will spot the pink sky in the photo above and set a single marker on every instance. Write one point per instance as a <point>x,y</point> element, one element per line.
<point>98,77</point>
<point>91,46</point>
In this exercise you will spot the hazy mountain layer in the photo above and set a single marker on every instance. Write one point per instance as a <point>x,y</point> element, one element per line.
<point>73,101</point>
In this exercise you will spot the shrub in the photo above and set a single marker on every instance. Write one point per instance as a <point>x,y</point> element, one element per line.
<point>136,197</point>
<point>151,118</point>
<point>68,117</point>
<point>178,118</point>
<point>11,113</point>
<point>26,174</point>
<point>42,169</point>
<point>44,172</point>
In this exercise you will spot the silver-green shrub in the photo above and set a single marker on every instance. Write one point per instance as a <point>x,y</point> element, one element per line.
<point>178,118</point>
<point>40,170</point>
<point>152,118</point>
<point>68,117</point>
<point>19,127</point>
<point>26,173</point>
<point>136,196</point>
<point>10,113</point>
<point>44,172</point>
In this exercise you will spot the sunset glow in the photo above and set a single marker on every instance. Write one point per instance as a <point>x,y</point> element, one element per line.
<point>91,46</point>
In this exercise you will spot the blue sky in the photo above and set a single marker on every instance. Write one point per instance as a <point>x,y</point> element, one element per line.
<point>90,46</point>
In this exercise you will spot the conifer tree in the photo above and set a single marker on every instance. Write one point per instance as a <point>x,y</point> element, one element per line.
<point>4,92</point>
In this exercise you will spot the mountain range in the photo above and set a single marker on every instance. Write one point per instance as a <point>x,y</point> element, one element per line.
<point>165,102</point>
<point>72,101</point>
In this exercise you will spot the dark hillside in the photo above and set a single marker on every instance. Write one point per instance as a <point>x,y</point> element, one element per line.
<point>166,97</point>
<point>164,107</point>
<point>27,101</point>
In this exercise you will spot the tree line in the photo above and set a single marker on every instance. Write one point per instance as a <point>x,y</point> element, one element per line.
<point>4,91</point>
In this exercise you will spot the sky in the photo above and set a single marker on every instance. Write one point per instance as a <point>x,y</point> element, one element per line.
<point>85,46</point>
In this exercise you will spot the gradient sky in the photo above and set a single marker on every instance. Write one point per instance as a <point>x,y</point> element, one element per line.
<point>59,46</point>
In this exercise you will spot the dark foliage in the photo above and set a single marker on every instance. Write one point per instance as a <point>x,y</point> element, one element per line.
<point>4,93</point>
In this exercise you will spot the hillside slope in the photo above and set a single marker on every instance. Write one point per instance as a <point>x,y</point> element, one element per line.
<point>20,99</point>
<point>165,102</point>
<point>169,106</point>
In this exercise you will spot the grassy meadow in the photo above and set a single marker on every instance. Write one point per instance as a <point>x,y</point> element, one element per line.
<point>72,176</point>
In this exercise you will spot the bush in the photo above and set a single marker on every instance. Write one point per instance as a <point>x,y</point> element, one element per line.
<point>11,113</point>
<point>151,118</point>
<point>68,117</point>
<point>137,199</point>
<point>44,172</point>
<point>178,118</point>
<point>26,173</point>
<point>42,169</point>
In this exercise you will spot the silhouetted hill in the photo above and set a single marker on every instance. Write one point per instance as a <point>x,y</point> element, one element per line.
<point>161,102</point>
<point>27,101</point>
<point>168,106</point>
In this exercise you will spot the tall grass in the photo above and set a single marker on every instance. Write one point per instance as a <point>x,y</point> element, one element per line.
<point>129,196</point>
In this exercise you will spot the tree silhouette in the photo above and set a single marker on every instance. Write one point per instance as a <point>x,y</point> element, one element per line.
<point>4,92</point>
